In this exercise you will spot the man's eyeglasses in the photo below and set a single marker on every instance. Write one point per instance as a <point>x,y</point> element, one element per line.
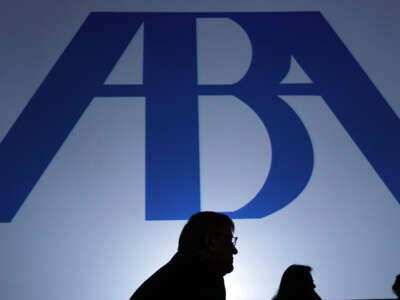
<point>233,239</point>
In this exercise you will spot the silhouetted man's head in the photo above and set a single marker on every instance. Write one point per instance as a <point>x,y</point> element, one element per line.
<point>210,235</point>
<point>396,286</point>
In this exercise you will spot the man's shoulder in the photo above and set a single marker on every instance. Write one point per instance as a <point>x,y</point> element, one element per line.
<point>183,277</point>
<point>170,280</point>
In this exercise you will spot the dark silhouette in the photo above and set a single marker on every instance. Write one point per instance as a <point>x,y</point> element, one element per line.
<point>297,283</point>
<point>396,286</point>
<point>205,254</point>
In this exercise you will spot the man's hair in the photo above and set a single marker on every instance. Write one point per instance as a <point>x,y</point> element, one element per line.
<point>194,231</point>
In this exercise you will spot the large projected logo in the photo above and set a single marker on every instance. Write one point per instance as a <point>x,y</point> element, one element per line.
<point>171,88</point>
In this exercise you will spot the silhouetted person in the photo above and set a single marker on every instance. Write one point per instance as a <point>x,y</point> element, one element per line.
<point>396,286</point>
<point>297,283</point>
<point>205,254</point>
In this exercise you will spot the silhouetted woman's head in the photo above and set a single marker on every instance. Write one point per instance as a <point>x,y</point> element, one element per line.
<point>297,283</point>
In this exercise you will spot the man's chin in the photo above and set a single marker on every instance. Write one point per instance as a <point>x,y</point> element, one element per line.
<point>227,269</point>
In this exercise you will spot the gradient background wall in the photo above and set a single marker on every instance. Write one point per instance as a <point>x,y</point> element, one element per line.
<point>82,234</point>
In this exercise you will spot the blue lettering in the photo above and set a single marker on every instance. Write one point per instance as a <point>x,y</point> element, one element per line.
<point>171,91</point>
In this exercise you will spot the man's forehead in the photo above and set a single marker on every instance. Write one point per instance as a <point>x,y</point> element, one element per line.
<point>224,229</point>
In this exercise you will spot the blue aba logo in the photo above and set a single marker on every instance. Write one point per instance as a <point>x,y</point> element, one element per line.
<point>172,172</point>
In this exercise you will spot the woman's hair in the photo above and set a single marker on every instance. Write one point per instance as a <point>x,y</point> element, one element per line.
<point>296,283</point>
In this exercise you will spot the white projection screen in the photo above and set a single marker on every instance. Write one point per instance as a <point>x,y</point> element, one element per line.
<point>118,119</point>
